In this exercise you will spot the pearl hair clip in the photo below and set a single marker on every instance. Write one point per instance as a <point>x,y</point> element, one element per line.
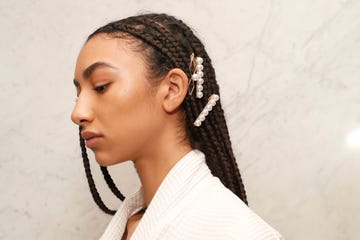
<point>196,63</point>
<point>211,103</point>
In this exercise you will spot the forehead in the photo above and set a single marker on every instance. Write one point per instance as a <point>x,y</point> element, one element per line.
<point>103,48</point>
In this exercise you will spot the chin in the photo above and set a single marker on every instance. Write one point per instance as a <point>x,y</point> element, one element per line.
<point>102,159</point>
<point>103,163</point>
<point>105,160</point>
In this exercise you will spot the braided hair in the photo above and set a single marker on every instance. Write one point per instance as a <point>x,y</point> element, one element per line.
<point>166,43</point>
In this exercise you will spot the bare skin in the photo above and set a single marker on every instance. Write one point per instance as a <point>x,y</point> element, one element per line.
<point>131,225</point>
<point>132,122</point>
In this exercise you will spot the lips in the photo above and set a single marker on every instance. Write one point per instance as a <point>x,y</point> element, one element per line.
<point>91,138</point>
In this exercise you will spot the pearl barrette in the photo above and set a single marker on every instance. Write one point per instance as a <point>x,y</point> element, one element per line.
<point>197,76</point>
<point>197,81</point>
<point>211,103</point>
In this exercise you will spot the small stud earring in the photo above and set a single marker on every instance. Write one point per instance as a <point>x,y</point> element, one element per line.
<point>209,106</point>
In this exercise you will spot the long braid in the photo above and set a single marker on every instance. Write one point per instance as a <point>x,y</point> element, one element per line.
<point>233,178</point>
<point>111,184</point>
<point>90,179</point>
<point>175,41</point>
<point>219,116</point>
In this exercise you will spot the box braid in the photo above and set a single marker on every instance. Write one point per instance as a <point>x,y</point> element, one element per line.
<point>90,179</point>
<point>167,43</point>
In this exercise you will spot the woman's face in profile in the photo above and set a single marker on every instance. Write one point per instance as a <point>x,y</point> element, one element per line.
<point>114,102</point>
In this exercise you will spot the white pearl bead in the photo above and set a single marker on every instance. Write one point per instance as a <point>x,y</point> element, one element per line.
<point>199,94</point>
<point>216,97</point>
<point>199,67</point>
<point>208,108</point>
<point>199,60</point>
<point>200,74</point>
<point>205,113</point>
<point>201,81</point>
<point>197,123</point>
<point>201,117</point>
<point>199,87</point>
<point>195,77</point>
<point>212,102</point>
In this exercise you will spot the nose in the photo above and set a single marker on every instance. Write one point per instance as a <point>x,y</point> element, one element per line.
<point>82,112</point>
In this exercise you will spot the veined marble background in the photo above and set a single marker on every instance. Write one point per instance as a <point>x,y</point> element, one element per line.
<point>289,72</point>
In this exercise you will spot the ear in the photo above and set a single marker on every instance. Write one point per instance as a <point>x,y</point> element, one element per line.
<point>173,89</point>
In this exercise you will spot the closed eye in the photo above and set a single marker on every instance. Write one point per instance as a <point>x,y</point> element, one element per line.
<point>101,88</point>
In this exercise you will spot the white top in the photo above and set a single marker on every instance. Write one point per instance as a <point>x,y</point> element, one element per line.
<point>190,204</point>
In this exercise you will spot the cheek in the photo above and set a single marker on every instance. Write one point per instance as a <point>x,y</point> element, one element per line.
<point>136,120</point>
<point>131,109</point>
<point>131,120</point>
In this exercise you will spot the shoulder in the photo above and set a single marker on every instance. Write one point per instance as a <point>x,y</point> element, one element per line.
<point>213,209</point>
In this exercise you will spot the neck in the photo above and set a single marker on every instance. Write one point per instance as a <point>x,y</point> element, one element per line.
<point>155,165</point>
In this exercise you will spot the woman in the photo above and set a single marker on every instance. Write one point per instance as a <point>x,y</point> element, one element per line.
<point>147,93</point>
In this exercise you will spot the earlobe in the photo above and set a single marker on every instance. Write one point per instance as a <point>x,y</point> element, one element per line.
<point>175,85</point>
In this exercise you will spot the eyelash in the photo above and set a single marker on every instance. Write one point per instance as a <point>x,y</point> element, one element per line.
<point>101,88</point>
<point>98,89</point>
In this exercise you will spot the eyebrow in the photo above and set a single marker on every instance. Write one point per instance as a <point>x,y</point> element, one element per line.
<point>92,68</point>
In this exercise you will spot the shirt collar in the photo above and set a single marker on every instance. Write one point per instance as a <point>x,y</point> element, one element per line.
<point>180,179</point>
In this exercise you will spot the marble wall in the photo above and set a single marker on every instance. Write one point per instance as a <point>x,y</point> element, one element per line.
<point>289,72</point>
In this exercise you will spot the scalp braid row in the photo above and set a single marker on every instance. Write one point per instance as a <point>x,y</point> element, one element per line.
<point>173,39</point>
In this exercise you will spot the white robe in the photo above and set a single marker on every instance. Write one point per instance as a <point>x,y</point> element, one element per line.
<point>190,204</point>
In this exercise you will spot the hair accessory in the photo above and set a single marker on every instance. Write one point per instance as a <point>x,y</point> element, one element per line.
<point>196,63</point>
<point>211,103</point>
